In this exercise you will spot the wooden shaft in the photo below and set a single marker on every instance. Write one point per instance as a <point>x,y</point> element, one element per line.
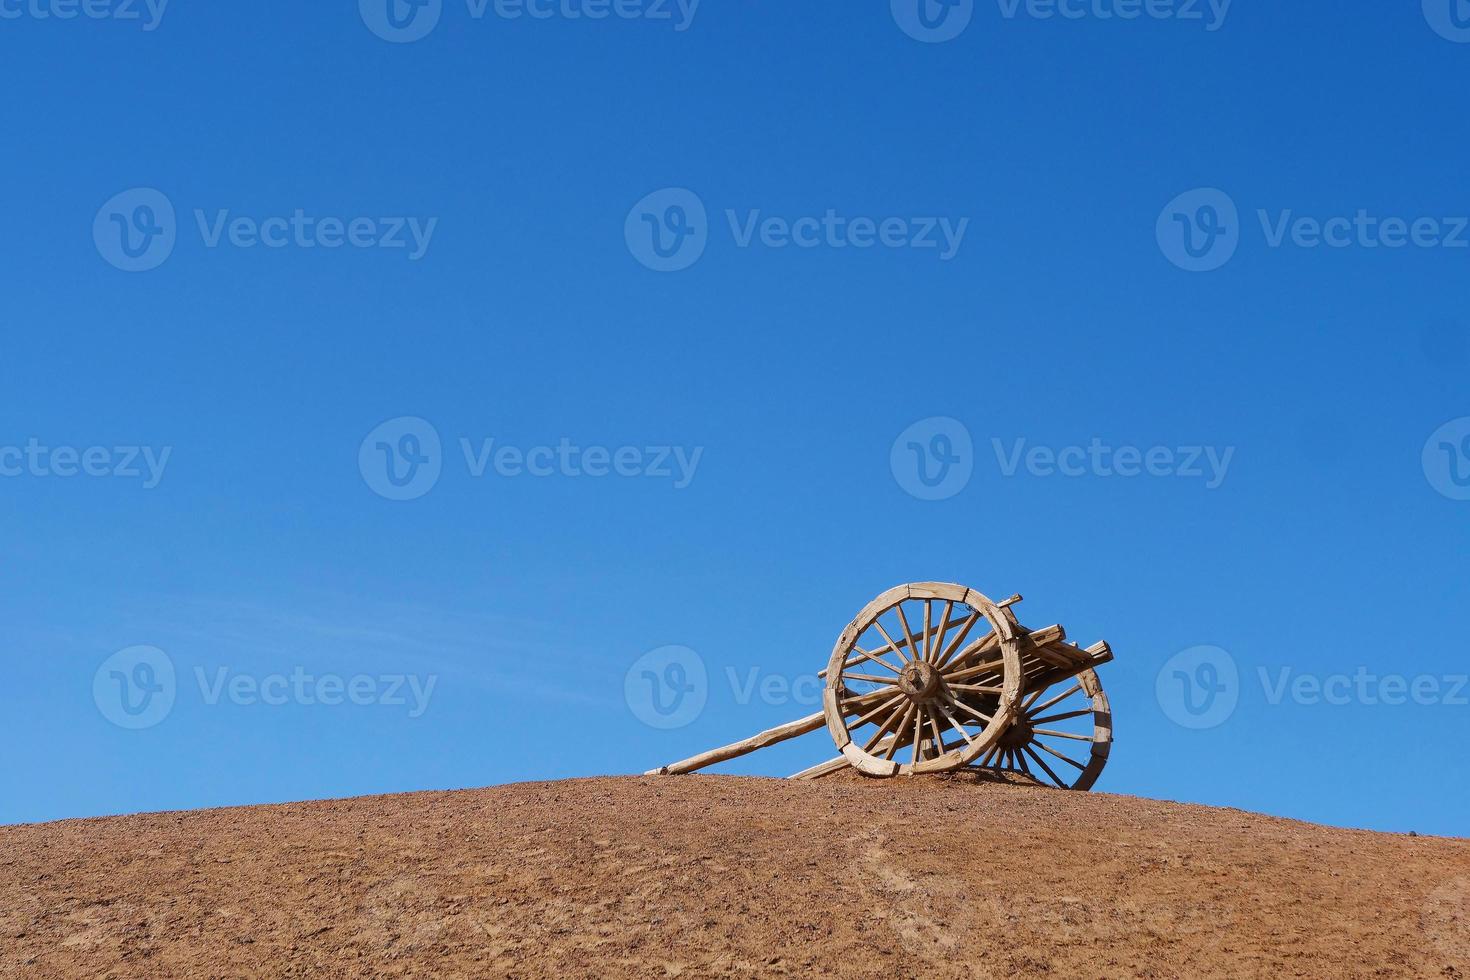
<point>770,736</point>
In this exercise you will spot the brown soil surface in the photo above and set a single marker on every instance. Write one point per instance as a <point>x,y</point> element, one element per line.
<point>720,876</point>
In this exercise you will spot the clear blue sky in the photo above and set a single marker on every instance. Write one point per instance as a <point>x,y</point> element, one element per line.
<point>532,317</point>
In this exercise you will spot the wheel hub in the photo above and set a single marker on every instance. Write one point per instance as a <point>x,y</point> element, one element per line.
<point>918,680</point>
<point>1017,735</point>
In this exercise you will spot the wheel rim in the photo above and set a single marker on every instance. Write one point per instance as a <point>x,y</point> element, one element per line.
<point>929,671</point>
<point>1050,724</point>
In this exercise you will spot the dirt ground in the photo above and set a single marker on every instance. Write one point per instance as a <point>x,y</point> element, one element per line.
<point>701,876</point>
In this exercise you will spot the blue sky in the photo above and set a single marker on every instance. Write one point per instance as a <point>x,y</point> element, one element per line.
<point>757,391</point>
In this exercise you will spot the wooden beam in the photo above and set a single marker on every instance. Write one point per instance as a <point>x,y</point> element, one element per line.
<point>770,736</point>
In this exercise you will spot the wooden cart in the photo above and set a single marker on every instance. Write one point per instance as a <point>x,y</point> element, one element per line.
<point>964,685</point>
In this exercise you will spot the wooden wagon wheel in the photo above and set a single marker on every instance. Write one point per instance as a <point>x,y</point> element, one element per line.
<point>1043,740</point>
<point>953,645</point>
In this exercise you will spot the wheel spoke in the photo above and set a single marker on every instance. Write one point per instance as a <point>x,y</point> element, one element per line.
<point>859,701</point>
<point>1062,717</point>
<point>978,687</point>
<point>933,655</point>
<point>918,733</point>
<point>1021,759</point>
<point>969,710</point>
<point>1060,697</point>
<point>853,726</point>
<point>891,645</point>
<point>982,645</point>
<point>887,723</point>
<point>938,735</point>
<point>1067,759</point>
<point>908,634</point>
<point>928,612</point>
<point>969,624</point>
<point>898,729</point>
<point>867,677</point>
<point>1056,734</point>
<point>1042,763</point>
<point>977,670</point>
<point>955,724</point>
<point>865,655</point>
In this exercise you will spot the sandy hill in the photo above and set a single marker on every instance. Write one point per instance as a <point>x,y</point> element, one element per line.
<point>717,876</point>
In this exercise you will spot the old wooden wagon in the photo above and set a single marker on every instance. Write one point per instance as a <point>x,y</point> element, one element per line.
<point>934,677</point>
